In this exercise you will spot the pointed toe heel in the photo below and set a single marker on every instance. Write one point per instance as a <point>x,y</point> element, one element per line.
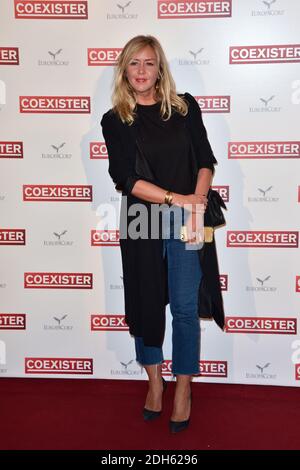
<point>150,415</point>
<point>178,426</point>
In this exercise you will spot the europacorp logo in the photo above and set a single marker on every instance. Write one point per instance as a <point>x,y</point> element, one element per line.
<point>262,371</point>
<point>268,8</point>
<point>197,56</point>
<point>57,151</point>
<point>262,283</point>
<point>122,11</point>
<point>129,368</point>
<point>59,323</point>
<point>54,58</point>
<point>59,238</point>
<point>266,104</point>
<point>264,195</point>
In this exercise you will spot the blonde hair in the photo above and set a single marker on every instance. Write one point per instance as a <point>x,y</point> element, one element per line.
<point>123,99</point>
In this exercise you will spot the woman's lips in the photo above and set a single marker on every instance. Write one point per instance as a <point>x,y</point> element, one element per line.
<point>140,80</point>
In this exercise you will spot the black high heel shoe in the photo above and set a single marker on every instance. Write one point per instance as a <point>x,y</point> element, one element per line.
<point>177,426</point>
<point>149,415</point>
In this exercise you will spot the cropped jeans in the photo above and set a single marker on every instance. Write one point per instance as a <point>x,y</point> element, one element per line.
<point>184,276</point>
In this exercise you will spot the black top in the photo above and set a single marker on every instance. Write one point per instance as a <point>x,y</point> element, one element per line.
<point>166,147</point>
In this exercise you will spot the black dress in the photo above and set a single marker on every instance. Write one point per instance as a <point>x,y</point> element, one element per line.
<point>144,268</point>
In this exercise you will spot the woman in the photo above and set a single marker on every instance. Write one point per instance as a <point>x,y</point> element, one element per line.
<point>159,155</point>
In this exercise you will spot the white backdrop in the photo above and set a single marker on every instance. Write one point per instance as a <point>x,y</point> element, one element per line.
<point>61,304</point>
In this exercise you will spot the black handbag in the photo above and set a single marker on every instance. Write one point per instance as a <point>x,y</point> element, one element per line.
<point>213,215</point>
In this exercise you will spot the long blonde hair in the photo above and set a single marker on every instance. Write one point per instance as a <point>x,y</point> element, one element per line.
<point>123,98</point>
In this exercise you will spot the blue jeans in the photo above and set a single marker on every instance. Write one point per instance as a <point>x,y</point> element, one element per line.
<point>184,276</point>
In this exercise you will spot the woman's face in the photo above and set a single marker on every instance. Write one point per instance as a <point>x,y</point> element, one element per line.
<point>142,72</point>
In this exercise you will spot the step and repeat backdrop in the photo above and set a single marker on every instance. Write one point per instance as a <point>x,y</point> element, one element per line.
<point>61,286</point>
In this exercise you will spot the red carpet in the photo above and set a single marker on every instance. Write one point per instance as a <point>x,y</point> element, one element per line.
<point>106,414</point>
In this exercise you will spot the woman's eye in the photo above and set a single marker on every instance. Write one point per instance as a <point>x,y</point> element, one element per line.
<point>135,63</point>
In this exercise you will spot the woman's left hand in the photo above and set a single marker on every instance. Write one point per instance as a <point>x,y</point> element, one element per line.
<point>195,226</point>
<point>203,200</point>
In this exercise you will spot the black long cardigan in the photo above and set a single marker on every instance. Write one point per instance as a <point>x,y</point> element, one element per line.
<point>144,268</point>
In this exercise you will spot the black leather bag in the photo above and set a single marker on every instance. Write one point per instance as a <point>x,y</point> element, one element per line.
<point>213,215</point>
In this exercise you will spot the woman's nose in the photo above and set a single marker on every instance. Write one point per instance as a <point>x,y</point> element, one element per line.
<point>141,68</point>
